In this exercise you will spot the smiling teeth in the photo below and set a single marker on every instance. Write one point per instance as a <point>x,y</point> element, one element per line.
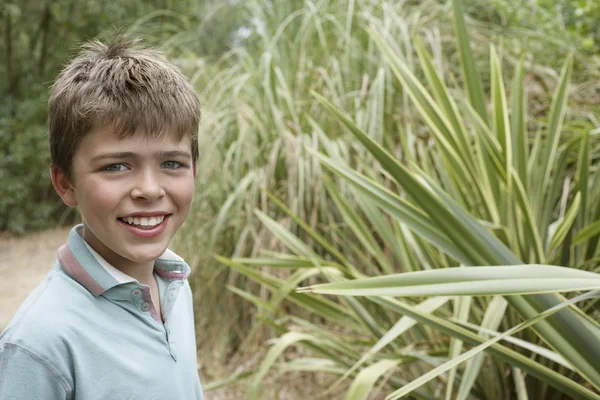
<point>147,222</point>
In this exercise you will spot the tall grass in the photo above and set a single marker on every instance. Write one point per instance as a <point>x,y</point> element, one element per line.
<point>258,117</point>
<point>519,188</point>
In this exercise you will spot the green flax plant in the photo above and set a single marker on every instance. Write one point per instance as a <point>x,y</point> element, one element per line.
<point>258,120</point>
<point>473,208</point>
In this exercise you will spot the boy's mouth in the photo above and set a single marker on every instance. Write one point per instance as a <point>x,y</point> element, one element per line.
<point>144,222</point>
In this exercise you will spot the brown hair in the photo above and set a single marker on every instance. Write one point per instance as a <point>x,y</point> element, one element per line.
<point>122,84</point>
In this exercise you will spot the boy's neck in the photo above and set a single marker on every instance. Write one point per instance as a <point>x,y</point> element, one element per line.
<point>140,271</point>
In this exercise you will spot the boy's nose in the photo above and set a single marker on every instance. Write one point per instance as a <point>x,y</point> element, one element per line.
<point>147,187</point>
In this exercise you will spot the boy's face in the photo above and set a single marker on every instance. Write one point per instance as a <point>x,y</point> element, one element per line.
<point>133,193</point>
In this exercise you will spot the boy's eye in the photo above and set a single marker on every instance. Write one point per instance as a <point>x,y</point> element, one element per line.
<point>172,164</point>
<point>115,168</point>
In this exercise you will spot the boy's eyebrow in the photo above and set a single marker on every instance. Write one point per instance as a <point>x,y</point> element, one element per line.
<point>130,154</point>
<point>118,154</point>
<point>175,153</point>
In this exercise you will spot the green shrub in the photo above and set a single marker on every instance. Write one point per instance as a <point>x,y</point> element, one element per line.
<point>27,200</point>
<point>37,39</point>
<point>497,184</point>
<point>575,20</point>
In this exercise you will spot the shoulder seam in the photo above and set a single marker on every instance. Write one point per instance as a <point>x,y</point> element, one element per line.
<point>47,365</point>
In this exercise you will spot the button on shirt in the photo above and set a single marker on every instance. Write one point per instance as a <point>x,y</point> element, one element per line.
<point>90,332</point>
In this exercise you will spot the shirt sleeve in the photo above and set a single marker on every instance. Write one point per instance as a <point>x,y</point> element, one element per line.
<point>25,376</point>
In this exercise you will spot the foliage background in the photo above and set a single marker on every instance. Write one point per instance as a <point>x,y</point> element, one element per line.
<point>254,82</point>
<point>39,37</point>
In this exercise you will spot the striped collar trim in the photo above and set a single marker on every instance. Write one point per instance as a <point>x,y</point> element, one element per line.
<point>84,267</point>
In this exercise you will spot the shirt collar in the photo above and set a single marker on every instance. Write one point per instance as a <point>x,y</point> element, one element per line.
<point>115,273</point>
<point>93,272</point>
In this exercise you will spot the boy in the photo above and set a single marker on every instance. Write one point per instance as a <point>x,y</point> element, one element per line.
<point>114,320</point>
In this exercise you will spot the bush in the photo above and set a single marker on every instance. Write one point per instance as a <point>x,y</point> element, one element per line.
<point>27,200</point>
<point>517,185</point>
<point>575,20</point>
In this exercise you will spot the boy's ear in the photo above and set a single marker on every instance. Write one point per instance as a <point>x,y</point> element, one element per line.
<point>195,170</point>
<point>62,185</point>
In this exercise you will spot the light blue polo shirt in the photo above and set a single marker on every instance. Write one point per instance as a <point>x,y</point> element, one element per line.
<point>86,333</point>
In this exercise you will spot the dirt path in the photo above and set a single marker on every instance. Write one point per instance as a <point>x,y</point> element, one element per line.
<point>24,262</point>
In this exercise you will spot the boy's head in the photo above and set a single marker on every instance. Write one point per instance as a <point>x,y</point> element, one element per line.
<point>123,124</point>
<point>123,85</point>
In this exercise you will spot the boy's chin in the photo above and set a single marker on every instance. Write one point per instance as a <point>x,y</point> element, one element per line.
<point>147,256</point>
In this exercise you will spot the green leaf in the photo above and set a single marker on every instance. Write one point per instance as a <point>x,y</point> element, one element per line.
<point>491,320</point>
<point>538,370</point>
<point>311,364</point>
<point>518,122</point>
<point>464,238</point>
<point>299,276</point>
<point>578,344</point>
<point>461,313</point>
<point>366,378</point>
<point>397,207</point>
<point>520,386</point>
<point>257,301</point>
<point>440,123</point>
<point>465,356</point>
<point>359,227</point>
<point>229,381</point>
<point>542,351</point>
<point>472,281</point>
<point>583,176</point>
<point>290,262</point>
<point>557,113</point>
<point>322,307</point>
<point>587,233</point>
<point>238,193</point>
<point>282,343</point>
<point>320,239</point>
<point>455,131</point>
<point>400,327</point>
<point>471,75</point>
<point>566,223</point>
<point>500,116</point>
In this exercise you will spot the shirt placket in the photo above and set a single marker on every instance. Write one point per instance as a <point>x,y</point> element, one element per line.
<point>143,301</point>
